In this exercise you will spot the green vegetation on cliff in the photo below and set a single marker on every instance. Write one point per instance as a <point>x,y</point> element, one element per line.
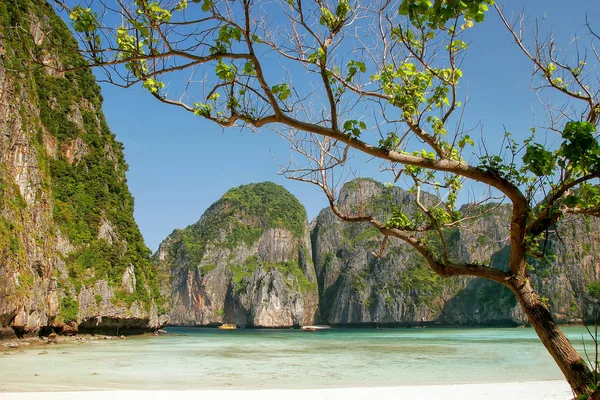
<point>271,203</point>
<point>240,217</point>
<point>594,289</point>
<point>355,184</point>
<point>293,274</point>
<point>248,249</point>
<point>86,173</point>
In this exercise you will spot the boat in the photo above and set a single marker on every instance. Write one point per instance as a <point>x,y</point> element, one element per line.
<point>314,328</point>
<point>227,327</point>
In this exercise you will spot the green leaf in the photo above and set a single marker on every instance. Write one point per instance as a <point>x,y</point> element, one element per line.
<point>249,68</point>
<point>282,91</point>
<point>391,141</point>
<point>207,5</point>
<point>580,146</point>
<point>467,140</point>
<point>398,220</point>
<point>227,33</point>
<point>354,67</point>
<point>84,20</point>
<point>342,9</point>
<point>225,71</point>
<point>153,86</point>
<point>354,128</point>
<point>538,160</point>
<point>182,5</point>
<point>203,110</point>
<point>327,18</point>
<point>425,13</point>
<point>318,55</point>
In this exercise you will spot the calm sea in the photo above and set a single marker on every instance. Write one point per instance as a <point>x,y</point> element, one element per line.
<point>189,358</point>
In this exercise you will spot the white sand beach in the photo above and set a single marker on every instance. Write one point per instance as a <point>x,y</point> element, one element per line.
<point>542,390</point>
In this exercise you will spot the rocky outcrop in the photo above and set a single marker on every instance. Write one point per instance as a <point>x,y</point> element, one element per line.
<point>563,277</point>
<point>356,287</point>
<point>71,254</point>
<point>247,261</point>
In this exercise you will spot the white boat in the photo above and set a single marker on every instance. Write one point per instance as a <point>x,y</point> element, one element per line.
<point>314,328</point>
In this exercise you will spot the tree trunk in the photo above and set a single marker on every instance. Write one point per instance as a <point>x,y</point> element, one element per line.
<point>566,357</point>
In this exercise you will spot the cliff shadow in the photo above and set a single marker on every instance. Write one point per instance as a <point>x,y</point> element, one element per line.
<point>482,302</point>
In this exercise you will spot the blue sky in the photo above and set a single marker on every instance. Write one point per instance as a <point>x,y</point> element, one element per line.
<point>180,164</point>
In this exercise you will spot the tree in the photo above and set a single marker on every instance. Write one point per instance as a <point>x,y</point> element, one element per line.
<point>393,66</point>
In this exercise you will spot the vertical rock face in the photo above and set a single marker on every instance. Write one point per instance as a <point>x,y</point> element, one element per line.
<point>247,261</point>
<point>70,251</point>
<point>356,287</point>
<point>565,277</point>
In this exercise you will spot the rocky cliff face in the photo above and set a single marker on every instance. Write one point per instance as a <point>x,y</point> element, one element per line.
<point>356,287</point>
<point>247,261</point>
<point>71,255</point>
<point>564,277</point>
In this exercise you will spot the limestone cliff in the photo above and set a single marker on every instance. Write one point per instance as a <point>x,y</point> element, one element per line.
<point>71,254</point>
<point>247,261</point>
<point>355,287</point>
<point>564,277</point>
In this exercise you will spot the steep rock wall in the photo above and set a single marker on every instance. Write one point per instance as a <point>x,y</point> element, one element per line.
<point>247,261</point>
<point>356,287</point>
<point>71,254</point>
<point>564,278</point>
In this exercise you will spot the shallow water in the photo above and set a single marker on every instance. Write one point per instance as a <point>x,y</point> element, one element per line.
<point>191,358</point>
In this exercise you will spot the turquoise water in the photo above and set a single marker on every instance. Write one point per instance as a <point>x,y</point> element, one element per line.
<point>190,358</point>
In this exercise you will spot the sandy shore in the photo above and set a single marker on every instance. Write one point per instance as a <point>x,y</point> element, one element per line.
<point>547,390</point>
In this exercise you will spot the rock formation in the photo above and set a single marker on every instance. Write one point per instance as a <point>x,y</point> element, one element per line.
<point>564,277</point>
<point>251,265</point>
<point>71,254</point>
<point>247,261</point>
<point>355,287</point>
